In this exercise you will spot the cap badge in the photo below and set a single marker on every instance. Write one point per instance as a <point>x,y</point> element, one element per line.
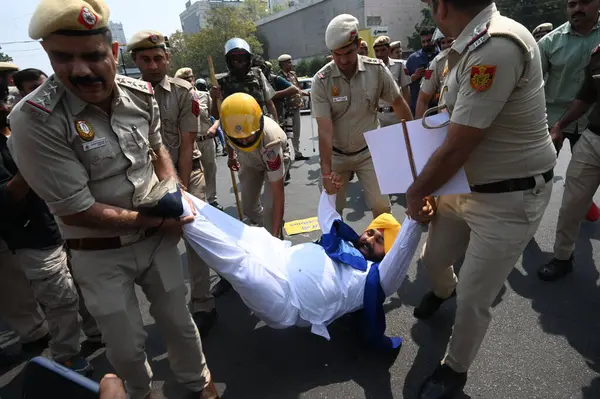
<point>87,18</point>
<point>84,129</point>
<point>153,39</point>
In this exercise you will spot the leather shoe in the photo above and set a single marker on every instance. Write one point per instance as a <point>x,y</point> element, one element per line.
<point>429,305</point>
<point>444,383</point>
<point>210,392</point>
<point>301,158</point>
<point>36,346</point>
<point>215,204</point>
<point>205,321</point>
<point>221,288</point>
<point>555,269</point>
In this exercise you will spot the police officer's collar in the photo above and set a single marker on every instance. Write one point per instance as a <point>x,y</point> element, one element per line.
<point>475,27</point>
<point>165,83</point>
<point>360,67</point>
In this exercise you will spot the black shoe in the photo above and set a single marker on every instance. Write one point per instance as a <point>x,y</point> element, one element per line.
<point>288,177</point>
<point>555,269</point>
<point>205,321</point>
<point>301,158</point>
<point>216,205</point>
<point>444,383</point>
<point>352,174</point>
<point>36,346</point>
<point>429,305</point>
<point>221,288</point>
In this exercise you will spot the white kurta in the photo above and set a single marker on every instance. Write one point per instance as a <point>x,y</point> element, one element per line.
<point>292,285</point>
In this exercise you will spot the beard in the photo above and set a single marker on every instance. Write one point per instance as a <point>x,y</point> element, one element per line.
<point>429,49</point>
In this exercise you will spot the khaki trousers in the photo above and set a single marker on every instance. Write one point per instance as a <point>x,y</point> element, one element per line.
<point>491,230</point>
<point>53,287</point>
<point>362,165</point>
<point>107,280</point>
<point>18,306</point>
<point>251,182</point>
<point>201,300</point>
<point>581,182</point>
<point>297,126</point>
<point>209,164</point>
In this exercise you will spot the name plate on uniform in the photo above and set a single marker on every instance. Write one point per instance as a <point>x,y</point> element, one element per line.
<point>101,142</point>
<point>391,160</point>
<point>340,99</point>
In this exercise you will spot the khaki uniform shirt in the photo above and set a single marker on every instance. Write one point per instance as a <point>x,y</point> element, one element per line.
<point>352,104</point>
<point>435,74</point>
<point>493,84</point>
<point>269,156</point>
<point>179,112</point>
<point>402,79</point>
<point>73,154</point>
<point>205,103</point>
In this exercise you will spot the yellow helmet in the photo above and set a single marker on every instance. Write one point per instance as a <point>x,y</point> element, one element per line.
<point>242,121</point>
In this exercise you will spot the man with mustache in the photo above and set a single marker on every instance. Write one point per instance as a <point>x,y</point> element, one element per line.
<point>180,111</point>
<point>88,143</point>
<point>497,131</point>
<point>565,54</point>
<point>417,63</point>
<point>345,100</point>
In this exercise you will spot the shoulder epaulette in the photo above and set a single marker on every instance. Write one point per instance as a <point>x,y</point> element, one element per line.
<point>181,83</point>
<point>370,60</point>
<point>322,74</point>
<point>42,101</point>
<point>136,84</point>
<point>480,36</point>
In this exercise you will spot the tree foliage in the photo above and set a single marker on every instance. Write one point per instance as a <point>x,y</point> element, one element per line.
<point>223,23</point>
<point>5,57</point>
<point>527,12</point>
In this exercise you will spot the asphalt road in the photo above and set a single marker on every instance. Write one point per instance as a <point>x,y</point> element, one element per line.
<point>542,343</point>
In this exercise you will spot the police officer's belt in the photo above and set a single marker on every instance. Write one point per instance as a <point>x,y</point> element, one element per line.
<point>106,243</point>
<point>338,151</point>
<point>507,186</point>
<point>386,109</point>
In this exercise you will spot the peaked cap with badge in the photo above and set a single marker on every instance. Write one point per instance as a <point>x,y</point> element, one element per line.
<point>341,31</point>
<point>146,40</point>
<point>69,17</point>
<point>382,41</point>
<point>8,67</point>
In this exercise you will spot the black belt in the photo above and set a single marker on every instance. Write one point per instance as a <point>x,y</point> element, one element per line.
<point>202,138</point>
<point>508,186</point>
<point>386,109</point>
<point>338,151</point>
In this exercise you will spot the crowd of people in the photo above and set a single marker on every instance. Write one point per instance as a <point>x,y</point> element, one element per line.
<point>90,162</point>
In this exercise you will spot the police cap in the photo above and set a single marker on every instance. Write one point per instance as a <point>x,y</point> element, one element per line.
<point>341,31</point>
<point>69,17</point>
<point>146,40</point>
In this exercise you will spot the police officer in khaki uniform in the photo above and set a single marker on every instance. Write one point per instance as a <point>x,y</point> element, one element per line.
<point>345,100</point>
<point>262,153</point>
<point>381,46</point>
<point>396,51</point>
<point>434,74</point>
<point>364,48</point>
<point>583,174</point>
<point>97,137</point>
<point>293,103</point>
<point>180,110</point>
<point>495,97</point>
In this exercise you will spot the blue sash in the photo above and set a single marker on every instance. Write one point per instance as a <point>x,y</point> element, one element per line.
<point>338,245</point>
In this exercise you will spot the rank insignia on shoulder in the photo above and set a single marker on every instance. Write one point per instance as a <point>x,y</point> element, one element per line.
<point>482,77</point>
<point>84,129</point>
<point>136,84</point>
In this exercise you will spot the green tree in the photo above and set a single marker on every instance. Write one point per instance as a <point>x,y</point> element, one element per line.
<point>414,41</point>
<point>222,24</point>
<point>531,14</point>
<point>315,64</point>
<point>5,57</point>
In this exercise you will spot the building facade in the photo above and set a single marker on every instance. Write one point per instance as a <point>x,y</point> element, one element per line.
<point>193,18</point>
<point>118,33</point>
<point>300,29</point>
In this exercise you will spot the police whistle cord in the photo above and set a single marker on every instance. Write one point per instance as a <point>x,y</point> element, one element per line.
<point>213,79</point>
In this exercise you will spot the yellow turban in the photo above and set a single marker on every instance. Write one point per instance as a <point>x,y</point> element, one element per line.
<point>390,228</point>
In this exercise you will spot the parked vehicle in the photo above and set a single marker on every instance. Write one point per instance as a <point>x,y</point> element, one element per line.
<point>305,85</point>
